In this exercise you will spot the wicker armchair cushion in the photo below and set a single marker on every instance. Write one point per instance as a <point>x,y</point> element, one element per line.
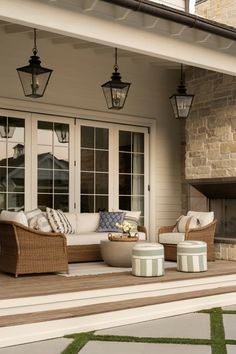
<point>185,222</point>
<point>205,218</point>
<point>17,216</point>
<point>171,238</point>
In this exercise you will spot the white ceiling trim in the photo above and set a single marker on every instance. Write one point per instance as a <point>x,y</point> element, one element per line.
<point>90,26</point>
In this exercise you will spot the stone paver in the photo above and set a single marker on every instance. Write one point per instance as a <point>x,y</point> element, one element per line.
<point>193,325</point>
<point>142,348</point>
<point>230,326</point>
<point>231,349</point>
<point>52,346</point>
<point>229,308</point>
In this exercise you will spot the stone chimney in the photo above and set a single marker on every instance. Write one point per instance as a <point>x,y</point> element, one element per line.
<point>223,11</point>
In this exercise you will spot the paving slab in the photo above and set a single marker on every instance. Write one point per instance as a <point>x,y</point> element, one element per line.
<point>94,347</point>
<point>193,325</point>
<point>231,349</point>
<point>52,346</point>
<point>230,327</point>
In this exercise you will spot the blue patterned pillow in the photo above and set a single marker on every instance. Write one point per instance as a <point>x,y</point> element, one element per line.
<point>108,220</point>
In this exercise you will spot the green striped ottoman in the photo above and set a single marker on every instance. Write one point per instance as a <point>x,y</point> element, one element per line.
<point>148,260</point>
<point>192,256</point>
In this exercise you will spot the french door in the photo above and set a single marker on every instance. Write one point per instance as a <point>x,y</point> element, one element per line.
<point>72,164</point>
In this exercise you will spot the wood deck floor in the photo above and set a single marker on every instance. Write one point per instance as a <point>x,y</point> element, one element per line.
<point>35,285</point>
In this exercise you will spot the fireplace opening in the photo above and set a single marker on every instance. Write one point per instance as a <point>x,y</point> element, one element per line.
<point>225,213</point>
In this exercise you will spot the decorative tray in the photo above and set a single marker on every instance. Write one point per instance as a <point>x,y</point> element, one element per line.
<point>122,238</point>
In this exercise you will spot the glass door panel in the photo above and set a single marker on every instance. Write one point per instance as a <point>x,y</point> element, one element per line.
<point>131,171</point>
<point>53,165</point>
<point>94,166</point>
<point>12,163</point>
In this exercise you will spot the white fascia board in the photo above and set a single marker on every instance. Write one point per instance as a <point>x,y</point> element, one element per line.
<point>100,30</point>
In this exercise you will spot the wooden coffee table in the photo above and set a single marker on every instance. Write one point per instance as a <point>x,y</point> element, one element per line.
<point>117,254</point>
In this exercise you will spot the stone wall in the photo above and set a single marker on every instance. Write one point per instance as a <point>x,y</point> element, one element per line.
<point>217,10</point>
<point>211,126</point>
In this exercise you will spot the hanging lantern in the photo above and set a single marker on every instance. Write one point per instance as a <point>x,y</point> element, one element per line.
<point>181,102</point>
<point>115,91</point>
<point>34,78</point>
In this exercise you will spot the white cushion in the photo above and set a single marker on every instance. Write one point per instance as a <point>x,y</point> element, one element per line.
<point>172,238</point>
<point>38,220</point>
<point>92,238</point>
<point>17,216</point>
<point>87,222</point>
<point>182,223</point>
<point>205,218</point>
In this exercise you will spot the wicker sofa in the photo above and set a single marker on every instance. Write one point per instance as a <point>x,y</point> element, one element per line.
<point>169,236</point>
<point>24,250</point>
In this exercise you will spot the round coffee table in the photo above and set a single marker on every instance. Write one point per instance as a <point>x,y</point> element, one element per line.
<point>117,253</point>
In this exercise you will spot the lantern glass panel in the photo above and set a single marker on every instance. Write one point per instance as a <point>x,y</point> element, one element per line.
<point>34,82</point>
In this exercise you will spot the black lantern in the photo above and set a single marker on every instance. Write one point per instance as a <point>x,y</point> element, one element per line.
<point>181,102</point>
<point>34,78</point>
<point>115,91</point>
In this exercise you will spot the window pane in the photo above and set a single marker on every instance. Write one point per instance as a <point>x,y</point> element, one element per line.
<point>138,142</point>
<point>87,204</point>
<point>3,204</point>
<point>87,183</point>
<point>3,128</point>
<point>125,203</point>
<point>87,160</point>
<point>101,161</point>
<point>101,203</point>
<point>138,163</point>
<point>101,183</point>
<point>101,138</point>
<point>124,141</point>
<point>124,162</point>
<point>45,133</point>
<point>16,155</point>
<point>61,158</point>
<point>45,181</point>
<point>16,130</point>
<point>61,135</point>
<point>3,153</point>
<point>16,180</point>
<point>44,200</point>
<point>3,179</point>
<point>16,201</point>
<point>87,137</point>
<point>45,157</point>
<point>61,182</point>
<point>125,184</point>
<point>138,185</point>
<point>61,202</point>
<point>138,204</point>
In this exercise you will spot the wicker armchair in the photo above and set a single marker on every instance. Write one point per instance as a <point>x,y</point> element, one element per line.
<point>205,233</point>
<point>24,250</point>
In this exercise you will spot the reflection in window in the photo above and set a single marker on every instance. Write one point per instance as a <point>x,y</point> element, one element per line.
<point>131,171</point>
<point>94,169</point>
<point>12,163</point>
<point>53,165</point>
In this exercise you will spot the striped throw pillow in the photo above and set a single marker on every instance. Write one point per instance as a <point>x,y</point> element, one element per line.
<point>132,217</point>
<point>58,221</point>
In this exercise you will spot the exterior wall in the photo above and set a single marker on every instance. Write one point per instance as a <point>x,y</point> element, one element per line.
<point>211,127</point>
<point>217,10</point>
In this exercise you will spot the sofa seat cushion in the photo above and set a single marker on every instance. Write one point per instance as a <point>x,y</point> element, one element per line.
<point>92,238</point>
<point>172,238</point>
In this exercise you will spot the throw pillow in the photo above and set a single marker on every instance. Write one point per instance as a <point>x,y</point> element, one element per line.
<point>108,220</point>
<point>186,222</point>
<point>58,221</point>
<point>132,217</point>
<point>38,221</point>
<point>17,216</point>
